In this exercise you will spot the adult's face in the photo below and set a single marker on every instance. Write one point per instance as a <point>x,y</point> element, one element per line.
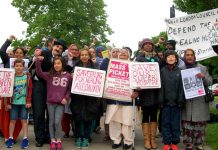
<point>114,53</point>
<point>169,47</point>
<point>189,57</point>
<point>92,52</point>
<point>123,54</point>
<point>84,56</point>
<point>19,53</point>
<point>57,50</point>
<point>73,51</point>
<point>147,47</point>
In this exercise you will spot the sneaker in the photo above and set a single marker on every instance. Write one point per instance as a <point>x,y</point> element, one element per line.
<point>52,146</point>
<point>24,143</point>
<point>9,143</point>
<point>85,143</point>
<point>59,146</point>
<point>189,146</point>
<point>78,142</point>
<point>174,147</point>
<point>167,147</point>
<point>200,147</point>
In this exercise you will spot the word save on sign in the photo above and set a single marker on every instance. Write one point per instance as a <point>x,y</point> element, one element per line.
<point>144,75</point>
<point>88,82</point>
<point>6,82</point>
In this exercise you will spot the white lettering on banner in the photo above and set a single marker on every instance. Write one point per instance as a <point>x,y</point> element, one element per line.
<point>195,31</point>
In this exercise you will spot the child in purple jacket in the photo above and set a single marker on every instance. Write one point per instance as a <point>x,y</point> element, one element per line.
<point>58,84</point>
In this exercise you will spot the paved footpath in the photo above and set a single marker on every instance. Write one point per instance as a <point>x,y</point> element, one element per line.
<point>97,142</point>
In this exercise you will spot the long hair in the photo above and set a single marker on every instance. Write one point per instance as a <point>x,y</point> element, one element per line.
<point>53,71</point>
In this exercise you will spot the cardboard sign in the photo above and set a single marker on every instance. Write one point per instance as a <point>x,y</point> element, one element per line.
<point>6,82</point>
<point>192,85</point>
<point>88,82</point>
<point>117,85</point>
<point>144,75</point>
<point>25,64</point>
<point>194,31</point>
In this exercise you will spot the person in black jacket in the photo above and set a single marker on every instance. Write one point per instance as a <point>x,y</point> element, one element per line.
<point>84,108</point>
<point>171,98</point>
<point>148,99</point>
<point>39,91</point>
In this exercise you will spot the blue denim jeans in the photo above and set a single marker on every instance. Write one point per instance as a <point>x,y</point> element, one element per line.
<point>171,124</point>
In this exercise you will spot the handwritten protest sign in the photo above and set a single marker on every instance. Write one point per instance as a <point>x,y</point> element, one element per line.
<point>192,85</point>
<point>88,82</point>
<point>194,31</point>
<point>6,82</point>
<point>144,75</point>
<point>26,62</point>
<point>117,85</point>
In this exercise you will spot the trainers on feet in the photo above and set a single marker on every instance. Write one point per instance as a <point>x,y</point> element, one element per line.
<point>78,142</point>
<point>200,147</point>
<point>174,147</point>
<point>24,143</point>
<point>59,146</point>
<point>52,146</point>
<point>85,143</point>
<point>166,147</point>
<point>9,143</point>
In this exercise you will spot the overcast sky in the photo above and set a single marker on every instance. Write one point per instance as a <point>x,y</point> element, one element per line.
<point>131,20</point>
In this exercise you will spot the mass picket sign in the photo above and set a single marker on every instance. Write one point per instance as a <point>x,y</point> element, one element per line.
<point>192,85</point>
<point>117,84</point>
<point>144,75</point>
<point>88,82</point>
<point>6,82</point>
<point>194,31</point>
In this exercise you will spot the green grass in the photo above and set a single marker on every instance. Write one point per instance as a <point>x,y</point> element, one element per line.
<point>212,130</point>
<point>212,136</point>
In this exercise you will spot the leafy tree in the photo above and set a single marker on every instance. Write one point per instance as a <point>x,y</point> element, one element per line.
<point>195,6</point>
<point>76,21</point>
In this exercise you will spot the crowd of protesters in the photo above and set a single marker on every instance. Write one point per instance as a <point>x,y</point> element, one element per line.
<point>56,111</point>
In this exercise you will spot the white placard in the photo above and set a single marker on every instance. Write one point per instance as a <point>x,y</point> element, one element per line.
<point>88,82</point>
<point>144,75</point>
<point>192,85</point>
<point>6,82</point>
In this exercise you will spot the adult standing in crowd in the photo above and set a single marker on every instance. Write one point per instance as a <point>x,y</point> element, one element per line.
<point>119,115</point>
<point>71,58</point>
<point>39,92</point>
<point>196,111</point>
<point>148,98</point>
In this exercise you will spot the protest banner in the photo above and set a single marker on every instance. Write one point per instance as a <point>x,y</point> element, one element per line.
<point>144,75</point>
<point>26,62</point>
<point>6,82</point>
<point>117,84</point>
<point>194,31</point>
<point>88,82</point>
<point>192,85</point>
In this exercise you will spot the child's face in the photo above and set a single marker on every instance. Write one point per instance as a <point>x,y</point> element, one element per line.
<point>84,56</point>
<point>19,68</point>
<point>171,59</point>
<point>58,65</point>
